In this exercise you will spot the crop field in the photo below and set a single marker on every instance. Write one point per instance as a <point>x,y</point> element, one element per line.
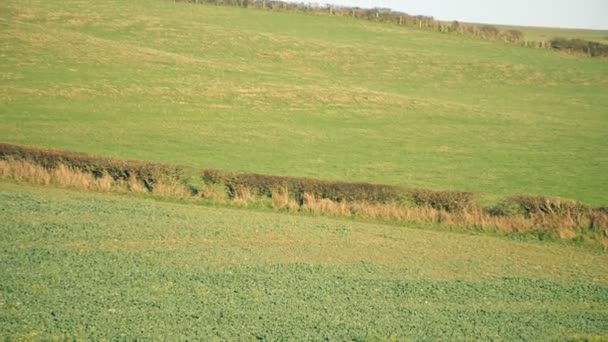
<point>448,129</point>
<point>302,95</point>
<point>107,266</point>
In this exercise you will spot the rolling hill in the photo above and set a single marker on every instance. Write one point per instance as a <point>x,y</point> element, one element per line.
<point>302,95</point>
<point>133,240</point>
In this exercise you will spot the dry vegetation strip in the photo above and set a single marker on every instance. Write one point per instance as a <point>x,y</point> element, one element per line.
<point>558,217</point>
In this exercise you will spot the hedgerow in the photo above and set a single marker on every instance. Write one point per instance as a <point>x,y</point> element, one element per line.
<point>522,214</point>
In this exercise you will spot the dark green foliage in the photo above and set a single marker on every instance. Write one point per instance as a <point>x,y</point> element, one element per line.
<point>263,185</point>
<point>549,205</point>
<point>579,45</point>
<point>505,208</point>
<point>451,201</point>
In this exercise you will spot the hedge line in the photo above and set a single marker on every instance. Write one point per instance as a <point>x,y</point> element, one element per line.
<point>386,15</point>
<point>263,186</point>
<point>590,48</point>
<point>377,14</point>
<point>257,184</point>
<point>146,172</point>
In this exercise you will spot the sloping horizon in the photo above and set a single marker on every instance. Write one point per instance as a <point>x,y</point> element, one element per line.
<point>566,14</point>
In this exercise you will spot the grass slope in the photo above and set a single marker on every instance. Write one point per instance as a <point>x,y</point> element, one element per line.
<point>98,266</point>
<point>291,94</point>
<point>548,33</point>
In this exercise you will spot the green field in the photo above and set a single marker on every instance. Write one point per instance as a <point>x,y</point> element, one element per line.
<point>548,33</point>
<point>302,95</point>
<point>101,266</point>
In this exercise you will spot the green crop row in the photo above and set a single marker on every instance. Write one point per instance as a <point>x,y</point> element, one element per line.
<point>94,266</point>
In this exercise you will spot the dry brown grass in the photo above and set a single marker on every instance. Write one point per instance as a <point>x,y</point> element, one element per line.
<point>565,226</point>
<point>135,185</point>
<point>62,175</point>
<point>24,171</point>
<point>280,197</point>
<point>281,200</point>
<point>242,196</point>
<point>214,193</point>
<point>65,176</point>
<point>171,189</point>
<point>325,206</point>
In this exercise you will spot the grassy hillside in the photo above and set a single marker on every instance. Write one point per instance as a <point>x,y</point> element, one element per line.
<point>548,33</point>
<point>291,94</point>
<point>96,266</point>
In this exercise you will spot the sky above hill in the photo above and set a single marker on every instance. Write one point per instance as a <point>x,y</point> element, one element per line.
<point>553,13</point>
